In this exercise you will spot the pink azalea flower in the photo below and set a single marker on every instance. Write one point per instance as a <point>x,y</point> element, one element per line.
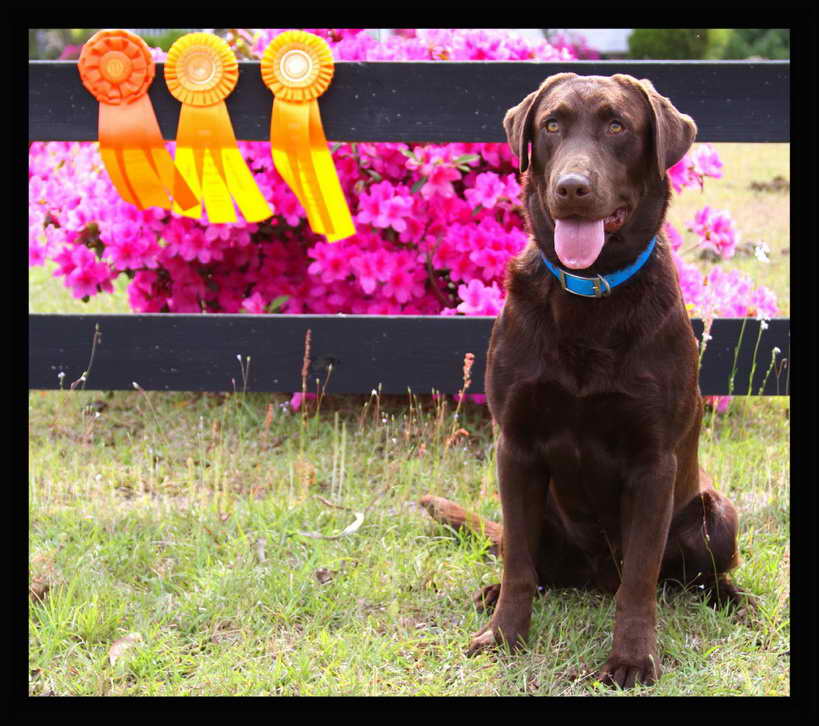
<point>673,236</point>
<point>691,170</point>
<point>403,285</point>
<point>366,270</point>
<point>718,403</point>
<point>143,293</point>
<point>332,261</point>
<point>254,304</point>
<point>478,299</point>
<point>488,188</point>
<point>385,205</point>
<point>36,254</point>
<point>680,175</point>
<point>706,162</point>
<point>440,181</point>
<point>691,282</point>
<point>763,303</point>
<point>88,275</point>
<point>298,399</point>
<point>716,231</point>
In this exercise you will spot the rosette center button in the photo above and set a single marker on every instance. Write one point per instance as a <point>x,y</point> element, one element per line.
<point>115,66</point>
<point>295,65</point>
<point>200,68</point>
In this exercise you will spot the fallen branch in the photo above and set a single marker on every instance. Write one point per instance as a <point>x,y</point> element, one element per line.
<point>453,515</point>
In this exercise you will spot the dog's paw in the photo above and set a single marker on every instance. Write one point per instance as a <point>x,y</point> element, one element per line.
<point>486,598</point>
<point>493,636</point>
<point>725,594</point>
<point>482,640</point>
<point>626,673</point>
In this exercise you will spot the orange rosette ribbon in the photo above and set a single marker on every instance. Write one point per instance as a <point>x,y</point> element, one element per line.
<point>201,71</point>
<point>116,67</point>
<point>298,67</point>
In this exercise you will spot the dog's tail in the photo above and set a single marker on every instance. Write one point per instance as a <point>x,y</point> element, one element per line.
<point>447,512</point>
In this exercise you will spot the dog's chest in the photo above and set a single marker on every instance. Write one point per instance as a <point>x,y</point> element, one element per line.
<point>589,435</point>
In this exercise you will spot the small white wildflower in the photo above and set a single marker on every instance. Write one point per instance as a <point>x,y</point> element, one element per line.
<point>706,337</point>
<point>761,252</point>
<point>776,350</point>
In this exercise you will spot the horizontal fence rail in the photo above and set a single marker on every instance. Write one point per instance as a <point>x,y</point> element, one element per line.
<point>439,101</point>
<point>348,353</point>
<point>731,101</point>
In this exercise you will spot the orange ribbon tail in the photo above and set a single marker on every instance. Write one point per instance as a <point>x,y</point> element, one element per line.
<point>117,68</point>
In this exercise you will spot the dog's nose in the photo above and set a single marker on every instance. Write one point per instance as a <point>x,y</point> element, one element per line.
<point>573,186</point>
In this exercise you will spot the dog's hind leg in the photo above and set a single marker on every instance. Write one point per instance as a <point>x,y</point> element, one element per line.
<point>702,548</point>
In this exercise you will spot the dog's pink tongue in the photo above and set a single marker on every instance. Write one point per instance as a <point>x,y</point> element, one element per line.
<point>578,241</point>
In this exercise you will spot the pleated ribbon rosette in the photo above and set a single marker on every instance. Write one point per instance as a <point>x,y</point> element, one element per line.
<point>298,67</point>
<point>201,71</point>
<point>116,67</point>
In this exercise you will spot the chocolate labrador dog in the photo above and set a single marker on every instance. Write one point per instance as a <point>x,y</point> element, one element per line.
<point>592,376</point>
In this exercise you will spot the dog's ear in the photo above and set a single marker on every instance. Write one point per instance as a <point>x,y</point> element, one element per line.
<point>518,119</point>
<point>674,132</point>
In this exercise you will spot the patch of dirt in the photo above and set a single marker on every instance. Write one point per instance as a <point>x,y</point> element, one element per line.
<point>778,184</point>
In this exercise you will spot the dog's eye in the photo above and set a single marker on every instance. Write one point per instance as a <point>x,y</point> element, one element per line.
<point>552,126</point>
<point>615,127</point>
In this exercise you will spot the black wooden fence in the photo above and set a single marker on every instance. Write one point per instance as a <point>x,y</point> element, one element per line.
<point>391,101</point>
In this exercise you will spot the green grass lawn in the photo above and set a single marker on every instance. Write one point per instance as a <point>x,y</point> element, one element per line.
<point>169,555</point>
<point>179,517</point>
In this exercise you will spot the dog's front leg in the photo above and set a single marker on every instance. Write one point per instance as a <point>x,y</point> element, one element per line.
<point>646,509</point>
<point>523,482</point>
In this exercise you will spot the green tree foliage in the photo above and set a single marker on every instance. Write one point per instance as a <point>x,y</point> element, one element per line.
<point>708,43</point>
<point>770,43</point>
<point>670,43</point>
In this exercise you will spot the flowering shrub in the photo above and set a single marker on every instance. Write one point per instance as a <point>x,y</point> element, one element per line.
<point>719,293</point>
<point>436,223</point>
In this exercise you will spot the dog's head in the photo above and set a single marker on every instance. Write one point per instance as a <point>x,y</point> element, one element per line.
<point>600,146</point>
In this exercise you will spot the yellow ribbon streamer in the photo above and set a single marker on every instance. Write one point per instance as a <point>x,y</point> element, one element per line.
<point>298,67</point>
<point>117,68</point>
<point>201,71</point>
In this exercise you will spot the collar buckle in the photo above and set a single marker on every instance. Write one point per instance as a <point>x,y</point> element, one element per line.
<point>600,285</point>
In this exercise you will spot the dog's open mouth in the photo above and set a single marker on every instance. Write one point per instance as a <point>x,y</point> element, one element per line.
<point>615,220</point>
<point>579,241</point>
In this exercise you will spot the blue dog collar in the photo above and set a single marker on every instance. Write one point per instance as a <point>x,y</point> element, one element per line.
<point>601,285</point>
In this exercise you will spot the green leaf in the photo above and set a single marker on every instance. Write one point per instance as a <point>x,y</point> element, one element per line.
<point>465,159</point>
<point>418,184</point>
<point>374,174</point>
<point>275,305</point>
<point>409,154</point>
